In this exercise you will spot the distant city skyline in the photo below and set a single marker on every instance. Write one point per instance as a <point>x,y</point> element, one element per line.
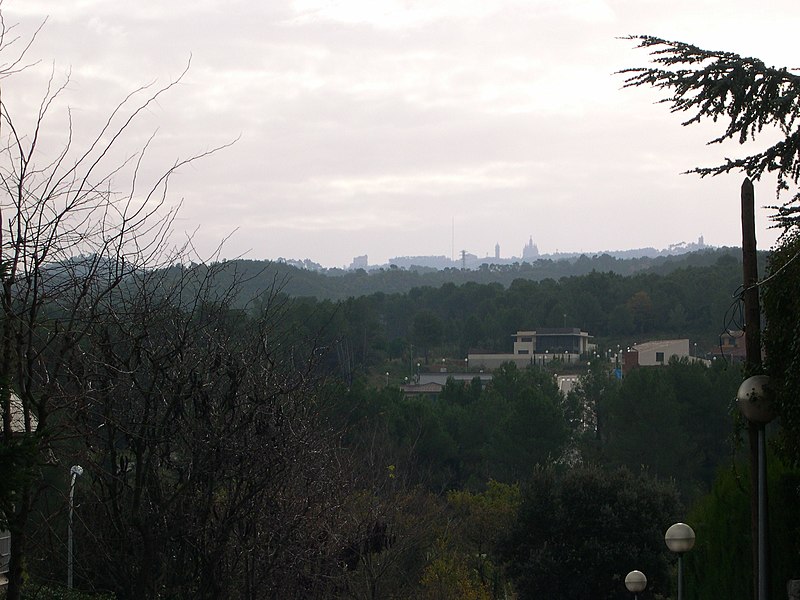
<point>386,127</point>
<point>530,253</point>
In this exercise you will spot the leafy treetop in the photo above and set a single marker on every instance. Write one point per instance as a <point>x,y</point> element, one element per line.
<point>744,91</point>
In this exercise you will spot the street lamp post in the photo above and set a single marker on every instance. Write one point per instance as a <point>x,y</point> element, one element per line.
<point>75,472</point>
<point>680,539</point>
<point>635,581</point>
<point>754,403</point>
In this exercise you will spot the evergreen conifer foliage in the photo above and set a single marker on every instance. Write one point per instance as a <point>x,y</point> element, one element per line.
<point>751,97</point>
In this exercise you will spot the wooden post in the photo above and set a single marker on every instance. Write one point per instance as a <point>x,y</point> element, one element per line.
<point>752,309</point>
<point>752,337</point>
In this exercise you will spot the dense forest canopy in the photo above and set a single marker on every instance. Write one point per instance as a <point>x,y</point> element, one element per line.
<point>451,320</point>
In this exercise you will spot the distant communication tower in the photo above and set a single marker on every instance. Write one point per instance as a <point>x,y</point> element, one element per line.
<point>453,239</point>
<point>463,260</point>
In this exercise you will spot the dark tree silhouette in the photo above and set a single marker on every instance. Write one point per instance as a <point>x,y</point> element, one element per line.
<point>743,92</point>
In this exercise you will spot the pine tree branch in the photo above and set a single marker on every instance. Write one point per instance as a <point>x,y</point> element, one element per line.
<point>742,92</point>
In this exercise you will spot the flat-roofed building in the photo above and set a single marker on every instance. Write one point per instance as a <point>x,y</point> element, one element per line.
<point>562,340</point>
<point>539,347</point>
<point>658,353</point>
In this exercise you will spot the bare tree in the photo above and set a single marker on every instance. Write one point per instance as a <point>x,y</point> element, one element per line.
<point>69,238</point>
<point>211,472</point>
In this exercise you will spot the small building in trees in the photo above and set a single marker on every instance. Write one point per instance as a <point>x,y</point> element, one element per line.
<point>5,555</point>
<point>426,390</point>
<point>657,353</point>
<point>732,346</point>
<point>17,413</point>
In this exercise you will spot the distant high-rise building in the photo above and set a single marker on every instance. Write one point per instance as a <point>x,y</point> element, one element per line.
<point>497,250</point>
<point>359,262</point>
<point>530,251</point>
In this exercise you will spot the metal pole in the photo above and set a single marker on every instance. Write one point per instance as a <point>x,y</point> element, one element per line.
<point>75,471</point>
<point>69,530</point>
<point>680,576</point>
<point>762,515</point>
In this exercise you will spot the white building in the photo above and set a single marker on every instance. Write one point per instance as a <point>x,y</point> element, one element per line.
<point>659,352</point>
<point>17,427</point>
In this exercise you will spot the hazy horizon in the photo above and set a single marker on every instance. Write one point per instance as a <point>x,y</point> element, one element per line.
<point>635,252</point>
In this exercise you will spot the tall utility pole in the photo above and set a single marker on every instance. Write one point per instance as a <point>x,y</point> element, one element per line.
<point>752,338</point>
<point>752,309</point>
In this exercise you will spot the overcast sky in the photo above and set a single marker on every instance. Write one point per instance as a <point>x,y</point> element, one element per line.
<point>404,127</point>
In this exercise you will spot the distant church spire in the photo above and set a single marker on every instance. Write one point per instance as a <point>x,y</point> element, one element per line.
<point>530,251</point>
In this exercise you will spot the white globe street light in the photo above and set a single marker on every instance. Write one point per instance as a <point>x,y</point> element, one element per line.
<point>754,400</point>
<point>680,539</point>
<point>635,581</point>
<point>75,471</point>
